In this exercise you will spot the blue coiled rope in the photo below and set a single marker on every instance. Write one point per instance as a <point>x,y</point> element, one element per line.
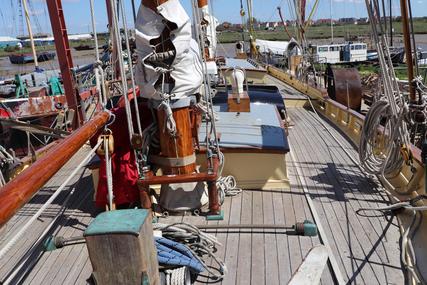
<point>174,253</point>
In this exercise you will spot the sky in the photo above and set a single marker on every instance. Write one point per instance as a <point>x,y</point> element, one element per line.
<point>77,13</point>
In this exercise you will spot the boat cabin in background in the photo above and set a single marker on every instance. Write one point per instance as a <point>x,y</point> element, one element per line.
<point>335,53</point>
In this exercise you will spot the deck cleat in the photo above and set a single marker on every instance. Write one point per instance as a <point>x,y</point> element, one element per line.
<point>307,228</point>
<point>218,217</point>
<point>49,244</point>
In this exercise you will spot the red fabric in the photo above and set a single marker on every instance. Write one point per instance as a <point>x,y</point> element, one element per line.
<point>4,113</point>
<point>124,170</point>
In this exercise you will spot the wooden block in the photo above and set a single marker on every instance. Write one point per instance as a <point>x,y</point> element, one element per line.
<point>37,91</point>
<point>243,106</point>
<point>121,248</point>
<point>241,55</point>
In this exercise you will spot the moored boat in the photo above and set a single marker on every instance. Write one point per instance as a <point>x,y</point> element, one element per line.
<point>84,47</point>
<point>29,58</point>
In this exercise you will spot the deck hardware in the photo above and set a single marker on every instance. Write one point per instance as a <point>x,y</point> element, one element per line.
<point>215,217</point>
<point>55,242</point>
<point>137,142</point>
<point>306,228</point>
<point>108,136</point>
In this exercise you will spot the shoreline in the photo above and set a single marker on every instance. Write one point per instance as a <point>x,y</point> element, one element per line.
<point>8,70</point>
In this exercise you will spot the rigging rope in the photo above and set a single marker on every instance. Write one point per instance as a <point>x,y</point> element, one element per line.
<point>390,107</point>
<point>109,172</point>
<point>200,35</point>
<point>57,192</point>
<point>409,205</point>
<point>227,185</point>
<point>201,244</point>
<point>118,46</point>
<point>99,71</point>
<point>407,247</point>
<point>17,271</point>
<point>131,70</point>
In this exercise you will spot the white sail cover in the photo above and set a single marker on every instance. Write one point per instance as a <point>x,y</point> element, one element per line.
<point>186,67</point>
<point>211,35</point>
<point>274,47</point>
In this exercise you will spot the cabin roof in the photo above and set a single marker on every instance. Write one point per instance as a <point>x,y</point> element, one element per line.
<point>260,128</point>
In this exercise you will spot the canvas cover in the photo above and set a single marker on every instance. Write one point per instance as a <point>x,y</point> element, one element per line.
<point>186,67</point>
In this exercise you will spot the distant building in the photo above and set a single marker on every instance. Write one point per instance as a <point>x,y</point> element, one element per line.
<point>6,41</point>
<point>324,21</point>
<point>50,40</point>
<point>363,20</point>
<point>270,25</point>
<point>310,22</point>
<point>347,21</point>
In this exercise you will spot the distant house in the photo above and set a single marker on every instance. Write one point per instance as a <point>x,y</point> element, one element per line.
<point>310,22</point>
<point>48,40</point>
<point>270,25</point>
<point>6,41</point>
<point>347,21</point>
<point>324,21</point>
<point>363,20</point>
<point>226,25</point>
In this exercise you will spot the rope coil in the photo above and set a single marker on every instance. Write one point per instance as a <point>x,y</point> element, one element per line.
<point>201,244</point>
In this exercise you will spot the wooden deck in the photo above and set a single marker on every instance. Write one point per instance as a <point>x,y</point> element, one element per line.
<point>366,248</point>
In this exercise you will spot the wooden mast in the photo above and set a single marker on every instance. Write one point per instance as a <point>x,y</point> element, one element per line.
<point>59,29</point>
<point>180,145</point>
<point>30,33</point>
<point>408,49</point>
<point>177,157</point>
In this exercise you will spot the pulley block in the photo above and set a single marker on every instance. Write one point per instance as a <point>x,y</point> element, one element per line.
<point>108,137</point>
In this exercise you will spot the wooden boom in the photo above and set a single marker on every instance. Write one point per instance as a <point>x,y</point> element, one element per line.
<point>19,191</point>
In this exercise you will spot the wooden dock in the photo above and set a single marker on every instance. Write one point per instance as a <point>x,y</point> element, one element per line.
<point>366,248</point>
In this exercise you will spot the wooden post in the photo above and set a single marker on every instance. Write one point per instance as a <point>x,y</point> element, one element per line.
<point>214,206</point>
<point>181,145</point>
<point>239,102</point>
<point>121,248</point>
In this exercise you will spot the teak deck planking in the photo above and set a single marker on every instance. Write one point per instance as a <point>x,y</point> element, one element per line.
<point>367,249</point>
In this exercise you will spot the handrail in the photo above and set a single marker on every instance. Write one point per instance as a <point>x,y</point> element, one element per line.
<point>19,191</point>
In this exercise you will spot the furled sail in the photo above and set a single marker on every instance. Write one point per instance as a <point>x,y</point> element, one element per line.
<point>183,62</point>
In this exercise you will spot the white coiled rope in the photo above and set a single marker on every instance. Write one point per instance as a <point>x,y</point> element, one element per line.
<point>389,160</point>
<point>227,185</point>
<point>176,276</point>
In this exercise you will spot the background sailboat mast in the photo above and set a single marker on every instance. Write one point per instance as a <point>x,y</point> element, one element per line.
<point>408,48</point>
<point>30,32</point>
<point>332,22</point>
<point>391,23</point>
